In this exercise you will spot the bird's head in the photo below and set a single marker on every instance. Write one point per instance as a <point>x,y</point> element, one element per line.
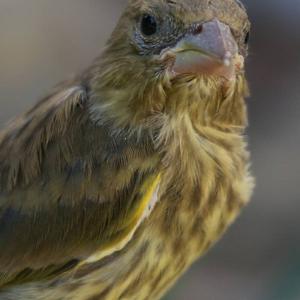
<point>176,56</point>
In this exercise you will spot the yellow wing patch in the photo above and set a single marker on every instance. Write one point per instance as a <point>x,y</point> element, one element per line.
<point>149,192</point>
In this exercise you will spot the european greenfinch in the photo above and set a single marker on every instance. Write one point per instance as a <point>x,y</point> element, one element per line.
<point>112,186</point>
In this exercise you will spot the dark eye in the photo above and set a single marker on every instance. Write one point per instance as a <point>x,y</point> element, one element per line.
<point>148,25</point>
<point>247,38</point>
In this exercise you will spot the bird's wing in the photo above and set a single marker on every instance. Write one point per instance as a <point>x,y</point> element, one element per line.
<point>69,191</point>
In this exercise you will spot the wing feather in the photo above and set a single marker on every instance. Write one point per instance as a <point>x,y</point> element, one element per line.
<point>68,188</point>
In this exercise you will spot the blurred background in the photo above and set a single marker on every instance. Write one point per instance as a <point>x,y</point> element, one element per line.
<point>43,42</point>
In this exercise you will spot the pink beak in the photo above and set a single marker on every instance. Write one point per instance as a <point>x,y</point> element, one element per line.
<point>209,49</point>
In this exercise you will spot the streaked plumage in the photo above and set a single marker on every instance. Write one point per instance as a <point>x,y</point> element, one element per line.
<point>116,183</point>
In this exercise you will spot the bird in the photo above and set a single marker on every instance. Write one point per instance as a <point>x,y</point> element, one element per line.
<point>113,185</point>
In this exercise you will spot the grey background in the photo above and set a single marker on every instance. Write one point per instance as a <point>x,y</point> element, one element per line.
<point>44,42</point>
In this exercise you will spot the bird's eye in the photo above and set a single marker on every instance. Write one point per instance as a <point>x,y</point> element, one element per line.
<point>247,38</point>
<point>148,25</point>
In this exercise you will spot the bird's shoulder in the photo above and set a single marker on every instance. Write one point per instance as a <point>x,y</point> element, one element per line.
<point>25,139</point>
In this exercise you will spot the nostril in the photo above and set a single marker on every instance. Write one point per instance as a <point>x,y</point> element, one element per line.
<point>198,29</point>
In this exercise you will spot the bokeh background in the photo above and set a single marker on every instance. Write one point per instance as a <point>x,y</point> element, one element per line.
<point>43,42</point>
